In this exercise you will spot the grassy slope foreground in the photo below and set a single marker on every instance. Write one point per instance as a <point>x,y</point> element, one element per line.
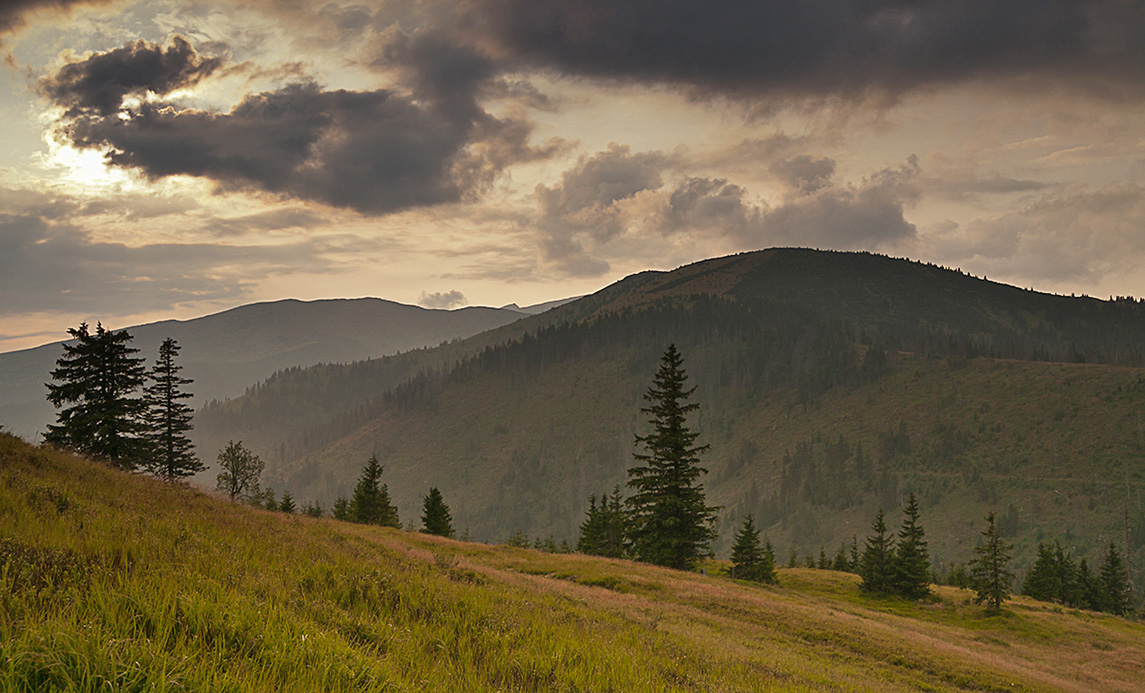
<point>117,582</point>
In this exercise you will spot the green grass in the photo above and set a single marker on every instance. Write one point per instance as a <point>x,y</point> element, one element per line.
<point>118,582</point>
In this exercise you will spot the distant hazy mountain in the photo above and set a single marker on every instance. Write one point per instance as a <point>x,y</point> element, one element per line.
<point>830,385</point>
<point>539,308</point>
<point>226,352</point>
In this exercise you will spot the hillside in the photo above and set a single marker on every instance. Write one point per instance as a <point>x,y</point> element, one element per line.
<point>228,351</point>
<point>977,396</point>
<point>115,581</point>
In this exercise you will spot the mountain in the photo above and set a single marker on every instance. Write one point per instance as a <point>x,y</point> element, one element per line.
<point>225,352</point>
<point>114,581</point>
<point>830,384</point>
<point>538,308</point>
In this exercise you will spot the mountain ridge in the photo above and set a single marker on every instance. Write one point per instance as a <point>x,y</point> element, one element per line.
<point>228,351</point>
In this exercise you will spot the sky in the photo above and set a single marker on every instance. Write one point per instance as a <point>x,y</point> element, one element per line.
<point>170,159</point>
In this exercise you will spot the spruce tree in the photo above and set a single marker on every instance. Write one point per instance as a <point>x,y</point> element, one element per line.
<point>286,505</point>
<point>1043,581</point>
<point>911,560</point>
<point>169,418</point>
<point>435,515</point>
<point>99,377</point>
<point>989,575</point>
<point>750,560</point>
<point>876,565</point>
<point>1116,588</point>
<point>341,509</point>
<point>371,502</point>
<point>240,472</point>
<point>670,523</point>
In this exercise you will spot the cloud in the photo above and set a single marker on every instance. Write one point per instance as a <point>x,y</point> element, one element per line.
<point>1066,235</point>
<point>584,208</point>
<point>844,48</point>
<point>616,199</point>
<point>14,13</point>
<point>48,264</point>
<point>446,301</point>
<point>99,83</point>
<point>376,152</point>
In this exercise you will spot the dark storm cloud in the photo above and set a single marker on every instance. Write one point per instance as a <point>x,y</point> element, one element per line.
<point>375,151</point>
<point>48,264</point>
<point>821,47</point>
<point>100,83</point>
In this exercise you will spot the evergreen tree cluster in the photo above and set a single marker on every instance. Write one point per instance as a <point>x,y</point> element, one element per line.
<point>1056,577</point>
<point>97,387</point>
<point>370,504</point>
<point>603,531</point>
<point>899,567</point>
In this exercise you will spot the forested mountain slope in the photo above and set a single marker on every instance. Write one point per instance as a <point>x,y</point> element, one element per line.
<point>225,352</point>
<point>830,385</point>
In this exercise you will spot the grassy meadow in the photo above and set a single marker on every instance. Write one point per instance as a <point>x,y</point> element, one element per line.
<point>116,582</point>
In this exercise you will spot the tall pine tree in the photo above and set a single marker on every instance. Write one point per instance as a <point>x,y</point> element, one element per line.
<point>435,515</point>
<point>670,523</point>
<point>371,502</point>
<point>912,560</point>
<point>876,565</point>
<point>988,572</point>
<point>99,377</point>
<point>169,418</point>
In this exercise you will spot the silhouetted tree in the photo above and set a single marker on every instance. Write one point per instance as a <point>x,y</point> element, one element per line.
<point>876,565</point>
<point>313,509</point>
<point>99,376</point>
<point>371,502</point>
<point>988,572</point>
<point>169,418</point>
<point>911,561</point>
<point>286,505</point>
<point>341,509</point>
<point>241,469</point>
<point>435,516</point>
<point>670,523</point>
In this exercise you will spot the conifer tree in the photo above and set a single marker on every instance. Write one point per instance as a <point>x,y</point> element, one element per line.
<point>341,509</point>
<point>169,418</point>
<point>1043,580</point>
<point>876,565</point>
<point>911,577</point>
<point>312,509</point>
<point>989,575</point>
<point>240,472</point>
<point>670,523</point>
<point>1090,588</point>
<point>435,516</point>
<point>1116,588</point>
<point>286,505</point>
<point>602,533</point>
<point>99,377</point>
<point>750,560</point>
<point>371,502</point>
